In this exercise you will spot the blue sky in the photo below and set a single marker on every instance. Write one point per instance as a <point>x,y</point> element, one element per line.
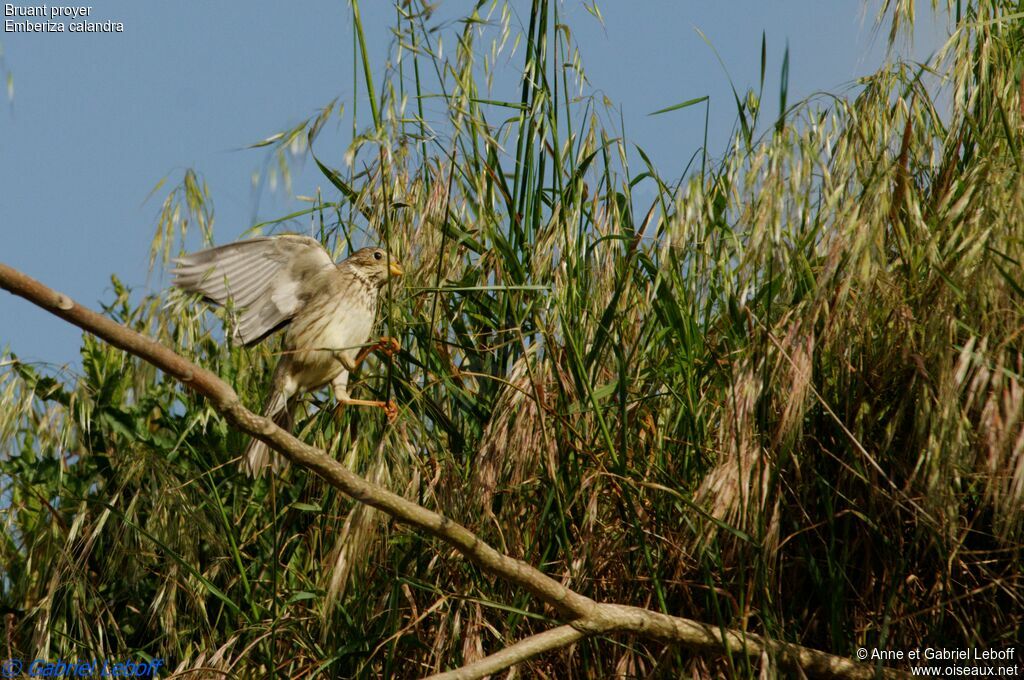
<point>98,119</point>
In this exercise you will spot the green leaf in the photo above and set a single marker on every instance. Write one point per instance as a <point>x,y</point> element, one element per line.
<point>682,105</point>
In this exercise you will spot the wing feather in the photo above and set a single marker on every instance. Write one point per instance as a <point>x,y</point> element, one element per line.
<point>267,279</point>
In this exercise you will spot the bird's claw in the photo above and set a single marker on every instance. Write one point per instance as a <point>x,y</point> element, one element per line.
<point>389,407</point>
<point>388,346</point>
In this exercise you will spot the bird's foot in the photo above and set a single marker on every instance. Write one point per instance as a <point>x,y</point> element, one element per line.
<point>388,346</point>
<point>389,407</point>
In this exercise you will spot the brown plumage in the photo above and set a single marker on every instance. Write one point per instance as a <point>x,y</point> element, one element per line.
<point>291,282</point>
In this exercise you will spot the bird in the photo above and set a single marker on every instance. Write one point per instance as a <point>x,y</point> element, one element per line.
<point>326,310</point>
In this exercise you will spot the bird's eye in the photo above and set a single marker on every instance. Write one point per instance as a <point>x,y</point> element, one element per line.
<point>378,255</point>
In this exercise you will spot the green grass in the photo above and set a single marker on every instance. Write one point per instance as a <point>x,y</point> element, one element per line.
<point>785,396</point>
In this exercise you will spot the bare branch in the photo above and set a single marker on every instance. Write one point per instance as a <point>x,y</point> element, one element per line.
<point>586,616</point>
<point>527,648</point>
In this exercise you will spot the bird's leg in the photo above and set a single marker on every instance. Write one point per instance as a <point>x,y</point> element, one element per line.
<point>340,386</point>
<point>389,347</point>
<point>342,358</point>
<point>390,408</point>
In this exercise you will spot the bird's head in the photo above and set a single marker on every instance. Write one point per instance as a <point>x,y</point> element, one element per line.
<point>375,265</point>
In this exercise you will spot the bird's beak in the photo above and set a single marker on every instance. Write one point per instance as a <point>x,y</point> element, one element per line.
<point>395,269</point>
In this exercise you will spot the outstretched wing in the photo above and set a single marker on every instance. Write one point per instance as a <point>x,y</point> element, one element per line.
<point>266,279</point>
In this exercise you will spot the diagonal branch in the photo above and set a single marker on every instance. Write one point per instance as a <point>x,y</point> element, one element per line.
<point>527,648</point>
<point>586,616</point>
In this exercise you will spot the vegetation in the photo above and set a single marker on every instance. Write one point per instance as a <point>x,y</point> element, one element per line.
<point>786,397</point>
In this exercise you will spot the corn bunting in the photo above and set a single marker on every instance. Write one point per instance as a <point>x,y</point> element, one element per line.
<point>326,309</point>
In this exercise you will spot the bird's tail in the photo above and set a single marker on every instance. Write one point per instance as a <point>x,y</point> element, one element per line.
<point>258,455</point>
